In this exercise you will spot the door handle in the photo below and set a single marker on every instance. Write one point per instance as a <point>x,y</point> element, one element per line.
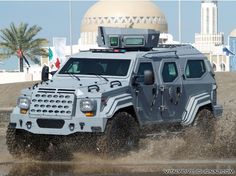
<point>154,91</point>
<point>178,94</point>
<point>178,90</point>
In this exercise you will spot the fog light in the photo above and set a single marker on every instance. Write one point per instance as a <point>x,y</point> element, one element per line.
<point>28,125</point>
<point>72,127</point>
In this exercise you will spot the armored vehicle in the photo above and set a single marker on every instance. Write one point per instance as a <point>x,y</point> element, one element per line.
<point>112,95</point>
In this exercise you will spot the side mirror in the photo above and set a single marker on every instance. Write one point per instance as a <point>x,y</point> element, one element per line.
<point>45,73</point>
<point>213,74</point>
<point>134,80</point>
<point>148,77</point>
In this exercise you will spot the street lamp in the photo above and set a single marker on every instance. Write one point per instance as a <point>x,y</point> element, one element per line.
<point>70,16</point>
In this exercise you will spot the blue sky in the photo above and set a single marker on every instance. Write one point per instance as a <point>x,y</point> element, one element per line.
<point>53,17</point>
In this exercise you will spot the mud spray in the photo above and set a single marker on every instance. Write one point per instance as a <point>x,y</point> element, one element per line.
<point>189,145</point>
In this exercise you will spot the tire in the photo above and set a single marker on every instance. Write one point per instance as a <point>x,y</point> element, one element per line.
<point>13,141</point>
<point>21,143</point>
<point>205,125</point>
<point>121,135</point>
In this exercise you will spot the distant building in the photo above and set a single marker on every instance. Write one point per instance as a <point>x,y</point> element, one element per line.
<point>209,36</point>
<point>210,41</point>
<point>134,14</point>
<point>232,48</point>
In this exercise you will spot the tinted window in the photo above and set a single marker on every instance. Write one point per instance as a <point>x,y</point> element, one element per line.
<point>169,72</point>
<point>112,67</point>
<point>134,41</point>
<point>142,68</point>
<point>195,69</point>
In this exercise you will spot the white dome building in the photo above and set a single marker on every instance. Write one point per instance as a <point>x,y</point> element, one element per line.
<point>131,13</point>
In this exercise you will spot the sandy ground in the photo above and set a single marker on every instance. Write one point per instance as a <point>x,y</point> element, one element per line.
<point>154,157</point>
<point>10,92</point>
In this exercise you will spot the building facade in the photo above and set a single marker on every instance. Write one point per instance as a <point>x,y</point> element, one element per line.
<point>209,36</point>
<point>232,48</point>
<point>210,41</point>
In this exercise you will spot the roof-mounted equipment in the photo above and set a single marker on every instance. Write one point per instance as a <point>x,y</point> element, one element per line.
<point>127,38</point>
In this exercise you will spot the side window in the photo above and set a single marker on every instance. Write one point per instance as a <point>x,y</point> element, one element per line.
<point>195,68</point>
<point>169,72</point>
<point>142,67</point>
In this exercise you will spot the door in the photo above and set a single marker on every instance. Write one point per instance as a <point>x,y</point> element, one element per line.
<point>171,90</point>
<point>146,94</point>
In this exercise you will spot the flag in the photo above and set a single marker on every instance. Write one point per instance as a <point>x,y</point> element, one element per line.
<point>227,51</point>
<point>59,44</point>
<point>50,54</point>
<point>58,63</point>
<point>19,53</point>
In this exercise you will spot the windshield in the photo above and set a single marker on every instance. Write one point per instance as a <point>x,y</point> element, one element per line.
<point>82,66</point>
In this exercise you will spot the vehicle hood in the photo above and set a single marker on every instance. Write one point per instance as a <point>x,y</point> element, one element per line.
<point>82,88</point>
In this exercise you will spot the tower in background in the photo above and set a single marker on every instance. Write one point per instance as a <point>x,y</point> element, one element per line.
<point>209,36</point>
<point>209,12</point>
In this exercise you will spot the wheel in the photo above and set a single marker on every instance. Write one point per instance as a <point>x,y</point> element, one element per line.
<point>14,142</point>
<point>205,124</point>
<point>21,143</point>
<point>121,135</point>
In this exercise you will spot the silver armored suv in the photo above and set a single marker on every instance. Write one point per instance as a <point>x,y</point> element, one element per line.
<point>111,95</point>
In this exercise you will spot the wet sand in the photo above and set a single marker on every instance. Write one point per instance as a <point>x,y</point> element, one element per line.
<point>75,168</point>
<point>155,155</point>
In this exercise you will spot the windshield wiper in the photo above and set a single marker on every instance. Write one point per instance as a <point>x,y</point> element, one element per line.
<point>99,76</point>
<point>74,76</point>
<point>103,77</point>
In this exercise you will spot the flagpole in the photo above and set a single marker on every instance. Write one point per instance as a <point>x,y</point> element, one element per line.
<point>70,16</point>
<point>180,37</point>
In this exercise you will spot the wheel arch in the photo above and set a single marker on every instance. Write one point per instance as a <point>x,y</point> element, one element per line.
<point>195,104</point>
<point>131,111</point>
<point>207,106</point>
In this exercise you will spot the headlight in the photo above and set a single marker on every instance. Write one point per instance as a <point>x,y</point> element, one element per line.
<point>23,103</point>
<point>87,105</point>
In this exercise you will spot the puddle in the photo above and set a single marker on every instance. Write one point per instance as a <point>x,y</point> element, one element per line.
<point>146,169</point>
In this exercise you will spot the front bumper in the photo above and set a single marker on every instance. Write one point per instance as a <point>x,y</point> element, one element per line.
<point>218,111</point>
<point>57,126</point>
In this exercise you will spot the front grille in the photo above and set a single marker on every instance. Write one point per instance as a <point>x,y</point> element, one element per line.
<point>52,102</point>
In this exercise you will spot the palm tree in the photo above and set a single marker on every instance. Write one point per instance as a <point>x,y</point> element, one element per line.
<point>20,40</point>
